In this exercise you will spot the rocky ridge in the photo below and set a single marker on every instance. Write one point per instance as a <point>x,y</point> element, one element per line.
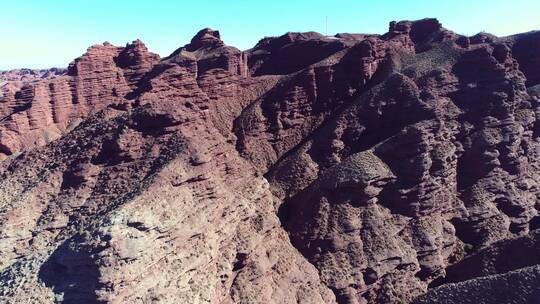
<point>392,168</point>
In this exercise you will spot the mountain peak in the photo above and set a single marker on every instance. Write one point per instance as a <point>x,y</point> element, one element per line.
<point>205,38</point>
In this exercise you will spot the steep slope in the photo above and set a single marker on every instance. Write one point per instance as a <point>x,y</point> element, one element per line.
<point>520,286</point>
<point>309,169</point>
<point>148,202</point>
<point>433,160</point>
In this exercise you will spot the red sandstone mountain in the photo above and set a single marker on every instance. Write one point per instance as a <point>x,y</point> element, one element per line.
<point>391,168</point>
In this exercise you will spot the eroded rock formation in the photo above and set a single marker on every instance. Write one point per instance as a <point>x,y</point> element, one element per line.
<point>392,168</point>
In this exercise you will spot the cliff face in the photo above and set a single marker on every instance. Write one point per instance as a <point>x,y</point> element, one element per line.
<point>42,111</point>
<point>309,169</point>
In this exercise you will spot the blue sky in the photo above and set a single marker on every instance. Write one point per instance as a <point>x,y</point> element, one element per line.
<point>40,34</point>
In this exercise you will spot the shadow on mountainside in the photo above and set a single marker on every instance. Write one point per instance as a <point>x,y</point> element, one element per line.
<point>70,271</point>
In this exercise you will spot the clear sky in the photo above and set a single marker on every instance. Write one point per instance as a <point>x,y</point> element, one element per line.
<point>41,34</point>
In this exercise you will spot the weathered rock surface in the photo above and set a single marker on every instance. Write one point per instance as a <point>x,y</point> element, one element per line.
<point>42,111</point>
<point>392,168</point>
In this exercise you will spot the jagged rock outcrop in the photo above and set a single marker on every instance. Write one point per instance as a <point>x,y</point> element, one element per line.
<point>13,80</point>
<point>45,110</point>
<point>394,168</point>
<point>161,145</point>
<point>454,126</point>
